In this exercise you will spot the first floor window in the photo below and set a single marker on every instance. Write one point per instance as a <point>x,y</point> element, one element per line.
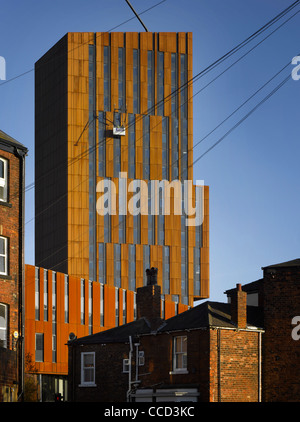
<point>39,347</point>
<point>180,353</point>
<point>3,325</point>
<point>3,180</point>
<point>3,256</point>
<point>88,368</point>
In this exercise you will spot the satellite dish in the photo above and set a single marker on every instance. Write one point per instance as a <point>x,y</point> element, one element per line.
<point>72,336</point>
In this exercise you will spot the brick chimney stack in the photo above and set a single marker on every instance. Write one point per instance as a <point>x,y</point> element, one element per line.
<point>239,307</point>
<point>148,299</point>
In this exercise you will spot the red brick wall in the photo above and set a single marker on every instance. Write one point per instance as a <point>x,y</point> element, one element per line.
<point>9,291</point>
<point>281,367</point>
<point>234,369</point>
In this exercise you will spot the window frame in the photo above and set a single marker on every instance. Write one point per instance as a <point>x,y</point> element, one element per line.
<point>4,180</point>
<point>5,329</point>
<point>41,337</point>
<point>84,383</point>
<point>183,368</point>
<point>5,255</point>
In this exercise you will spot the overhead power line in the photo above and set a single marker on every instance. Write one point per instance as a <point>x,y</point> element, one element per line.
<point>205,71</point>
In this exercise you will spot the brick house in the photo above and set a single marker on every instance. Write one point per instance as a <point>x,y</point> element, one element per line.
<point>208,353</point>
<point>12,179</point>
<point>278,292</point>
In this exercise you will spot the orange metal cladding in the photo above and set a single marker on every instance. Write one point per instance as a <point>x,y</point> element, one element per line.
<point>63,329</point>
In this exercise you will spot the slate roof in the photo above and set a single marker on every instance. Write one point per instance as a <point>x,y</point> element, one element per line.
<point>292,263</point>
<point>9,141</point>
<point>206,315</point>
<point>117,334</point>
<point>248,288</point>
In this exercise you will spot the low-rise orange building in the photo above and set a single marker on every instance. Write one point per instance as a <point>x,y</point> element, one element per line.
<point>58,304</point>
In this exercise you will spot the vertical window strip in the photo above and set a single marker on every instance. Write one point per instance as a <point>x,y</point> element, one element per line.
<point>136,81</point>
<point>37,294</point>
<point>90,310</point>
<point>54,313</point>
<point>106,77</point>
<point>121,81</point>
<point>131,146</point>
<point>160,83</point>
<point>45,295</point>
<point>146,147</point>
<point>165,148</point>
<point>174,85</point>
<point>117,265</point>
<point>161,218</point>
<point>66,301</point>
<point>101,305</point>
<point>82,301</point>
<point>146,262</point>
<point>122,228</point>
<point>151,83</point>
<point>175,149</point>
<point>184,117</point>
<point>107,227</point>
<point>117,306</point>
<point>102,263</point>
<point>101,144</point>
<point>124,304</point>
<point>131,268</point>
<point>184,254</point>
<point>117,147</point>
<point>166,270</point>
<point>151,216</point>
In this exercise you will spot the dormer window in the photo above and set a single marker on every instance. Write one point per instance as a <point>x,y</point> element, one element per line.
<point>3,180</point>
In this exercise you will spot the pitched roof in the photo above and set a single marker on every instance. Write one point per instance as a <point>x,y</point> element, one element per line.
<point>249,287</point>
<point>117,334</point>
<point>8,140</point>
<point>292,263</point>
<point>209,315</point>
<point>206,315</point>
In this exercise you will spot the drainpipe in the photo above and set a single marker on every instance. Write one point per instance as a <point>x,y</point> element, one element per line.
<point>130,362</point>
<point>259,367</point>
<point>219,363</point>
<point>21,346</point>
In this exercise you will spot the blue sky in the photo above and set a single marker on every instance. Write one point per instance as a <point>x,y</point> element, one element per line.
<point>253,173</point>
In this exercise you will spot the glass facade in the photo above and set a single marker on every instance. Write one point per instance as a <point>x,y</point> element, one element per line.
<point>102,263</point>
<point>160,83</point>
<point>131,268</point>
<point>101,144</point>
<point>121,79</point>
<point>136,81</point>
<point>165,148</point>
<point>146,147</point>
<point>117,265</point>
<point>106,77</point>
<point>151,86</point>
<point>131,146</point>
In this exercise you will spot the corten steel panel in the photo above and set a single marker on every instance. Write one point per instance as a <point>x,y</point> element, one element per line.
<point>77,194</point>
